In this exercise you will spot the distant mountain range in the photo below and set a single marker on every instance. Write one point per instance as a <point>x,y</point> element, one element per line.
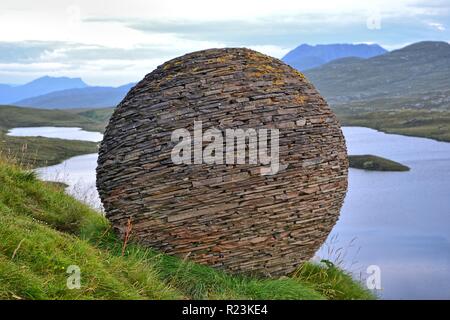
<point>305,56</point>
<point>10,93</point>
<point>61,93</point>
<point>418,68</point>
<point>423,67</point>
<point>89,97</point>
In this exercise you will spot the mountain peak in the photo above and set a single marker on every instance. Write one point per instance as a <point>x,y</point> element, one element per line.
<point>59,81</point>
<point>430,44</point>
<point>426,45</point>
<point>39,86</point>
<point>307,56</point>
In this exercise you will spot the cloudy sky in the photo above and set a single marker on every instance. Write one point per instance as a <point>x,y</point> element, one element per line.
<point>111,42</point>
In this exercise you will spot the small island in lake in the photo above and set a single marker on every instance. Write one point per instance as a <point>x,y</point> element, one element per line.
<point>375,163</point>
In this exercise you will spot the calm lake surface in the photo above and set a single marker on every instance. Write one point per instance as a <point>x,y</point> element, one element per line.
<point>399,221</point>
<point>70,133</point>
<point>77,172</point>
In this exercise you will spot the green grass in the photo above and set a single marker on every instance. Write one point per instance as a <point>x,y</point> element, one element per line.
<point>99,115</point>
<point>43,231</point>
<point>375,163</point>
<point>330,281</point>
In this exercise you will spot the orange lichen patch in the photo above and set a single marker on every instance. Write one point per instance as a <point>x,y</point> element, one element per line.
<point>299,99</point>
<point>278,82</point>
<point>260,72</point>
<point>222,59</point>
<point>301,75</point>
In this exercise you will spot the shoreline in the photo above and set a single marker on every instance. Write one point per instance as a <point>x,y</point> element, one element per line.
<point>397,133</point>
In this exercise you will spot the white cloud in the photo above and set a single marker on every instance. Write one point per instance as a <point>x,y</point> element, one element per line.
<point>63,20</point>
<point>436,25</point>
<point>395,46</point>
<point>271,50</point>
<point>115,41</point>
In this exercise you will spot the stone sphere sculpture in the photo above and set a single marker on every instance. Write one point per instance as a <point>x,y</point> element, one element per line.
<point>240,217</point>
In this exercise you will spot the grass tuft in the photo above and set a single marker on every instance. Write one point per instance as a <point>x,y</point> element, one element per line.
<point>327,279</point>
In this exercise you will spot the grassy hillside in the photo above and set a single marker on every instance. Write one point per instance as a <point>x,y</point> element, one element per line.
<point>12,117</point>
<point>404,91</point>
<point>420,67</point>
<point>434,123</point>
<point>433,101</point>
<point>99,115</point>
<point>44,231</point>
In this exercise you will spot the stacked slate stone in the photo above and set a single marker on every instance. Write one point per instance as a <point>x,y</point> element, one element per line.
<point>226,216</point>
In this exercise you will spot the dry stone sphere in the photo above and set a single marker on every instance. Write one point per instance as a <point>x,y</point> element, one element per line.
<point>229,216</point>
